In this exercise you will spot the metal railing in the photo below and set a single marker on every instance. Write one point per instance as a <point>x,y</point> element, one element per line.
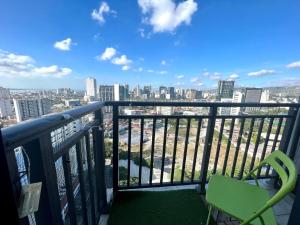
<point>187,149</point>
<point>66,151</point>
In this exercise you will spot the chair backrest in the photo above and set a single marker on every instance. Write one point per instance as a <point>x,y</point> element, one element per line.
<point>287,172</point>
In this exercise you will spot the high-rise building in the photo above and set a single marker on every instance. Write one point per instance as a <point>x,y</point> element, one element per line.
<point>31,108</point>
<point>137,92</point>
<point>147,92</point>
<point>193,94</point>
<point>126,91</point>
<point>5,105</point>
<point>225,89</point>
<point>238,97</point>
<point>91,87</point>
<point>265,96</point>
<point>171,93</point>
<point>106,93</point>
<point>252,95</point>
<point>162,92</point>
<point>121,92</point>
<point>180,93</point>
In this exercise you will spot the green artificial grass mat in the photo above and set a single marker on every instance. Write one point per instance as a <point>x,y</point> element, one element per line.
<point>180,207</point>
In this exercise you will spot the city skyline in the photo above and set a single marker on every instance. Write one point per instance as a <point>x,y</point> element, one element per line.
<point>126,43</point>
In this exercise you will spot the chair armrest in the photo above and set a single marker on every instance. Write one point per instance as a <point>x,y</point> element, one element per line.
<point>256,215</point>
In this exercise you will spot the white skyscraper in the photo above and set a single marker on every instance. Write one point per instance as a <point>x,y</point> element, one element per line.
<point>91,87</point>
<point>5,106</point>
<point>237,98</point>
<point>265,96</point>
<point>120,92</point>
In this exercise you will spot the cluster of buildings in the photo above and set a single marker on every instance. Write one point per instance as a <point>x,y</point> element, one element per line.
<point>227,94</point>
<point>114,92</point>
<point>118,92</point>
<point>22,109</point>
<point>20,106</point>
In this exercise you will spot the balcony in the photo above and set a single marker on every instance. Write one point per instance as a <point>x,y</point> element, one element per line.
<point>103,162</point>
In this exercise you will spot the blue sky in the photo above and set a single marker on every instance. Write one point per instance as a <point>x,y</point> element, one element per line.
<point>54,43</point>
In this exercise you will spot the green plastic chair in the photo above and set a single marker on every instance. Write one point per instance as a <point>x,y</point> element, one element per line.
<point>251,204</point>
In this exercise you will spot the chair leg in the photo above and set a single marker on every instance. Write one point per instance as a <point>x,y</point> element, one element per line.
<point>209,214</point>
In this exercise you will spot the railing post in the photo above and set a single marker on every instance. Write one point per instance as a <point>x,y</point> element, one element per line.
<point>295,215</point>
<point>294,139</point>
<point>207,147</point>
<point>100,163</point>
<point>42,169</point>
<point>7,196</point>
<point>286,135</point>
<point>115,149</point>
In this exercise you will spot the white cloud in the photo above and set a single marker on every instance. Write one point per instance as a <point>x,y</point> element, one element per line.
<point>64,45</point>
<point>180,76</point>
<point>150,71</point>
<point>163,62</point>
<point>212,76</point>
<point>166,15</point>
<point>293,65</point>
<point>98,15</point>
<point>215,76</point>
<point>112,55</point>
<point>163,72</point>
<point>107,54</point>
<point>54,69</point>
<point>122,60</point>
<point>125,67</point>
<point>262,72</point>
<point>234,76</point>
<point>13,66</point>
<point>195,79</point>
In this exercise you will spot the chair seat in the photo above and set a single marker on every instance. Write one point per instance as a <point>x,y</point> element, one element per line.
<point>239,199</point>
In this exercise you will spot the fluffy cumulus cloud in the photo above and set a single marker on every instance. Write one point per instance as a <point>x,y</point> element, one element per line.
<point>53,70</point>
<point>111,54</point>
<point>98,15</point>
<point>108,54</point>
<point>166,15</point>
<point>260,73</point>
<point>293,65</point>
<point>180,76</point>
<point>64,45</point>
<point>122,60</point>
<point>163,62</point>
<point>14,66</point>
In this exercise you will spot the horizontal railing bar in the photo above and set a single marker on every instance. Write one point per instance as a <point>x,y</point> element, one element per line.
<point>63,147</point>
<point>163,116</point>
<point>203,116</point>
<point>177,183</point>
<point>197,104</point>
<point>253,116</point>
<point>26,131</point>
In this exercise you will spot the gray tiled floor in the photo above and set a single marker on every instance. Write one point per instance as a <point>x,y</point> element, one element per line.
<point>281,210</point>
